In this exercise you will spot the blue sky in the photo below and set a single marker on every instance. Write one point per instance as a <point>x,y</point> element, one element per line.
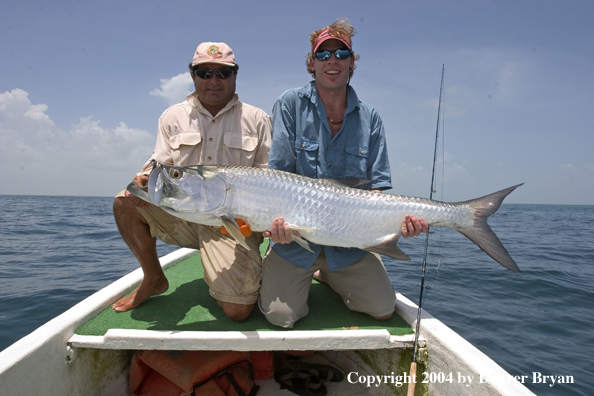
<point>82,85</point>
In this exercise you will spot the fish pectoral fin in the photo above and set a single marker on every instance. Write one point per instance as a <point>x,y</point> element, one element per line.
<point>234,230</point>
<point>303,243</point>
<point>389,248</point>
<point>140,192</point>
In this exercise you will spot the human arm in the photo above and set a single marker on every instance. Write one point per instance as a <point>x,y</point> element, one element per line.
<point>264,130</point>
<point>378,164</point>
<point>282,157</point>
<point>161,154</point>
<point>282,152</point>
<point>162,151</point>
<point>379,173</point>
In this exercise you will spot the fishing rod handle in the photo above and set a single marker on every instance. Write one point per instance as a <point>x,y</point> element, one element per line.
<point>412,383</point>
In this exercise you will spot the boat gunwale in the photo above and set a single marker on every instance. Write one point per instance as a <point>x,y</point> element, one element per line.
<point>65,324</point>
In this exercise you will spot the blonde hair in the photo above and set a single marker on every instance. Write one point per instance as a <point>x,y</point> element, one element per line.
<point>340,28</point>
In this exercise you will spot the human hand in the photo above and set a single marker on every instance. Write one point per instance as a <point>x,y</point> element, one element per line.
<point>280,232</point>
<point>139,180</point>
<point>411,226</point>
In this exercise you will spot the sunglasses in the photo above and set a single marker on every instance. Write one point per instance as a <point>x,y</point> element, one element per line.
<point>222,74</point>
<point>339,54</point>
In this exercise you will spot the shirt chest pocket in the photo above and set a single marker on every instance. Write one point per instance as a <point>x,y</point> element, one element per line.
<point>239,149</point>
<point>356,162</point>
<point>307,157</point>
<point>185,149</point>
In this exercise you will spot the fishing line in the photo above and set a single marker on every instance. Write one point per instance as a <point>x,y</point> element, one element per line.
<point>440,230</point>
<point>413,365</point>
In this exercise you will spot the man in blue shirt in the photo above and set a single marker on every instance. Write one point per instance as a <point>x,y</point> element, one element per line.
<point>323,130</point>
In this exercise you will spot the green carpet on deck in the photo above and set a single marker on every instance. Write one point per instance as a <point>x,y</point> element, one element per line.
<point>187,306</point>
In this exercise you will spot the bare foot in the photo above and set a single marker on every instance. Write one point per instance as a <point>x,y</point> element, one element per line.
<point>141,294</point>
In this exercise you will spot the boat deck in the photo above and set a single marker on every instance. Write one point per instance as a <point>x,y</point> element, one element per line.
<point>186,312</point>
<point>186,317</point>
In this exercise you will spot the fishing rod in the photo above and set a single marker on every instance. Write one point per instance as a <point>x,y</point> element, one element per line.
<point>413,365</point>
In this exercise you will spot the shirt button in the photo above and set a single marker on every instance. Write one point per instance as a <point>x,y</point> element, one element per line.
<point>329,165</point>
<point>302,144</point>
<point>209,158</point>
<point>210,139</point>
<point>213,120</point>
<point>362,152</point>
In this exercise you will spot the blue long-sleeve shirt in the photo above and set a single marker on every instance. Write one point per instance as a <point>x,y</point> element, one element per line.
<point>302,143</point>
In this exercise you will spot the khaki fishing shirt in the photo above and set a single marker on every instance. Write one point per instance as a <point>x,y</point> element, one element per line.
<point>240,134</point>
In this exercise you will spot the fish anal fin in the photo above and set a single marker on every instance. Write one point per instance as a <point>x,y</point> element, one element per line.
<point>234,230</point>
<point>302,242</point>
<point>389,248</point>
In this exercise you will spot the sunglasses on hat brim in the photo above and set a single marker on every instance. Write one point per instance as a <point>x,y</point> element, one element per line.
<point>339,54</point>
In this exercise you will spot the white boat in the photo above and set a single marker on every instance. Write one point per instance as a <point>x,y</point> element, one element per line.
<point>56,359</point>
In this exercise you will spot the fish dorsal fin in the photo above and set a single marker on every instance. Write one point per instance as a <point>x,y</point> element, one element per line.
<point>234,230</point>
<point>348,182</point>
<point>390,248</point>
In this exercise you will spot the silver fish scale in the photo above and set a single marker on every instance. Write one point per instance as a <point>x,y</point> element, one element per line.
<point>341,216</point>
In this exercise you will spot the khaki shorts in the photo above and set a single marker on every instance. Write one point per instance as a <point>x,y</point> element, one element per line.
<point>363,286</point>
<point>232,273</point>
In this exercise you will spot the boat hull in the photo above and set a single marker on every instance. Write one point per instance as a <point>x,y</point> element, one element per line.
<point>54,359</point>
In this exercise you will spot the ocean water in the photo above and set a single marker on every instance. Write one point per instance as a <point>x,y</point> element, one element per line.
<point>56,251</point>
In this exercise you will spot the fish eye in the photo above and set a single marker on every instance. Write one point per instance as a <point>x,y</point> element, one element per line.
<point>176,174</point>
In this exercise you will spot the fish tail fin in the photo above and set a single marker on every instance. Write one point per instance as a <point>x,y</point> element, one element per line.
<point>482,235</point>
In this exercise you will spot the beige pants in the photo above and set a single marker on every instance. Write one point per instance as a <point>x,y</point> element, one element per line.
<point>232,273</point>
<point>364,287</point>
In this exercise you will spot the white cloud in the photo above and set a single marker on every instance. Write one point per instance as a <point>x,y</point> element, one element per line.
<point>175,89</point>
<point>570,168</point>
<point>39,157</point>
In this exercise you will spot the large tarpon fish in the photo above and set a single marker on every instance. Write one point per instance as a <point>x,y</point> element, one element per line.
<point>323,211</point>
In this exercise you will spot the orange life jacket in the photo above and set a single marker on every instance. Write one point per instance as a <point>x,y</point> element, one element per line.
<point>199,373</point>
